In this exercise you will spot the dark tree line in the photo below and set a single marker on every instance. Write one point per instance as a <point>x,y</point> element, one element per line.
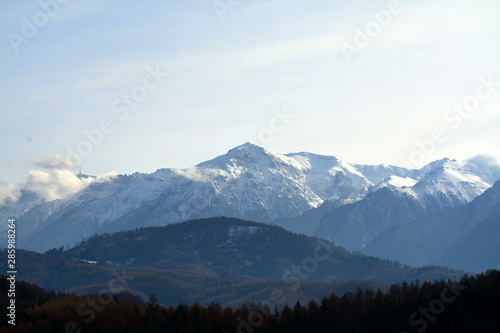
<point>469,305</point>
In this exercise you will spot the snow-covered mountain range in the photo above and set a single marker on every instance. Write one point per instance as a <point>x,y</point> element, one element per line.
<point>248,183</point>
<point>466,236</point>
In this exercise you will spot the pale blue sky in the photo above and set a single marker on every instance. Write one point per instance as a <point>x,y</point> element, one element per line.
<point>226,79</point>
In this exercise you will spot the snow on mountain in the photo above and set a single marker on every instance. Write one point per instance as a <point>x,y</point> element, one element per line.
<point>30,205</point>
<point>333,179</point>
<point>465,236</point>
<point>440,185</point>
<point>398,182</point>
<point>447,183</point>
<point>248,182</point>
<point>485,166</point>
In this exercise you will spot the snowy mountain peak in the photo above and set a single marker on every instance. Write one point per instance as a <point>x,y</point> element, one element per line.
<point>245,153</point>
<point>247,182</point>
<point>452,171</point>
<point>247,145</point>
<point>249,152</point>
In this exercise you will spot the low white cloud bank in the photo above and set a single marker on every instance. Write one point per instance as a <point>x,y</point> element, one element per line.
<point>56,184</point>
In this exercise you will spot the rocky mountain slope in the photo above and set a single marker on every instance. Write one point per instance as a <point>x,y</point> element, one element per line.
<point>249,183</point>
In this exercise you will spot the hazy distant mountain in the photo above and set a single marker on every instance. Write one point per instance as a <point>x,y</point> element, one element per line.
<point>441,185</point>
<point>253,184</point>
<point>465,236</point>
<point>219,259</point>
<point>479,250</point>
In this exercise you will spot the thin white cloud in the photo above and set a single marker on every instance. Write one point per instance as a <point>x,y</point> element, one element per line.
<point>55,161</point>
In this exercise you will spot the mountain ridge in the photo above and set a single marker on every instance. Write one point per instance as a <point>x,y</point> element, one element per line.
<point>248,182</point>
<point>445,237</point>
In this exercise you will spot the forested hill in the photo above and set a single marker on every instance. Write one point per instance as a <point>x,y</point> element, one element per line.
<point>233,247</point>
<point>469,305</point>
